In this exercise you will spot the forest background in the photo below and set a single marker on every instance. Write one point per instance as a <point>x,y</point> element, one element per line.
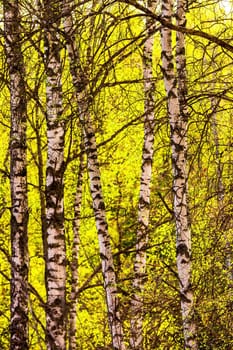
<point>116,154</point>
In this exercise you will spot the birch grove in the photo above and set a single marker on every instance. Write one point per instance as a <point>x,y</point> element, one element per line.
<point>116,175</point>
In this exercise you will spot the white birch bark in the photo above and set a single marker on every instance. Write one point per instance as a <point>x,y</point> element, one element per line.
<point>18,179</point>
<point>178,127</point>
<point>41,184</point>
<point>80,81</point>
<point>75,256</point>
<point>108,271</point>
<point>181,60</point>
<point>136,321</point>
<point>56,253</point>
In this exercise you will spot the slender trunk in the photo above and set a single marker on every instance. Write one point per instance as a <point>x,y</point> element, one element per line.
<point>136,340</point>
<point>80,80</point>
<point>108,271</point>
<point>18,179</point>
<point>41,184</point>
<point>181,61</point>
<point>220,185</point>
<point>74,262</point>
<point>56,253</point>
<point>221,192</point>
<point>178,127</point>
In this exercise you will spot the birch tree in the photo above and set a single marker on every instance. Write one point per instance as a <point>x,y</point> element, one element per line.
<point>56,252</point>
<point>75,257</point>
<point>220,186</point>
<point>18,178</point>
<point>136,340</point>
<point>178,127</point>
<point>80,81</point>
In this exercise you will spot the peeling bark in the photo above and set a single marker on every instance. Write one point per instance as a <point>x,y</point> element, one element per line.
<point>177,112</point>
<point>18,179</point>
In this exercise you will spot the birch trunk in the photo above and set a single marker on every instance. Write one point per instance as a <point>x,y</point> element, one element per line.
<point>181,61</point>
<point>220,185</point>
<point>74,262</point>
<point>178,127</point>
<point>56,253</point>
<point>108,271</point>
<point>80,81</point>
<point>136,339</point>
<point>18,179</point>
<point>41,186</point>
<point>221,191</point>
